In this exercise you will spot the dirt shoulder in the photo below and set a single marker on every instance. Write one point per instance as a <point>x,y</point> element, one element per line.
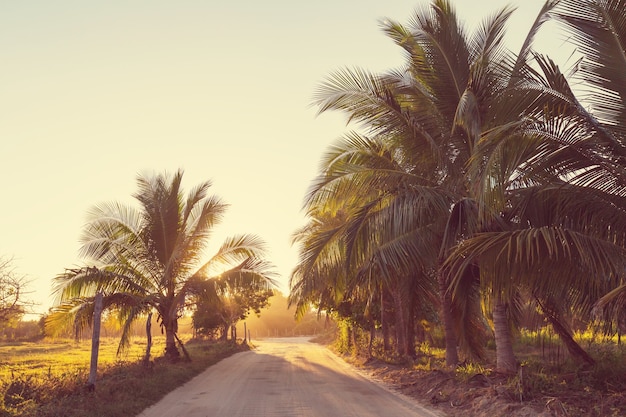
<point>480,396</point>
<point>489,396</point>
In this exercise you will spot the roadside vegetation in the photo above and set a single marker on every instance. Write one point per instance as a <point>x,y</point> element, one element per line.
<point>478,205</point>
<point>548,382</point>
<point>142,264</point>
<point>44,376</point>
<point>48,378</point>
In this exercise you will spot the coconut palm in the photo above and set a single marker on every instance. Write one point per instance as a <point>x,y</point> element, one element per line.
<point>598,29</point>
<point>455,89</point>
<point>563,177</point>
<point>346,241</point>
<point>319,279</point>
<point>153,255</point>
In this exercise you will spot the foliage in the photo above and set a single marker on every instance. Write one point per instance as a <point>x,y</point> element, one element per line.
<point>13,303</point>
<point>476,185</point>
<point>466,371</point>
<point>235,300</point>
<point>208,321</point>
<point>151,258</point>
<point>344,342</point>
<point>22,330</point>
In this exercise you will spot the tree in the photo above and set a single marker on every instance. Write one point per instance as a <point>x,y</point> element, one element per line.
<point>151,257</point>
<point>431,115</point>
<point>13,304</point>
<point>598,29</point>
<point>233,297</point>
<point>563,179</point>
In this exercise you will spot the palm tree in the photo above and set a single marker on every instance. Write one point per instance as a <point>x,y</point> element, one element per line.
<point>154,255</point>
<point>319,279</point>
<point>564,178</point>
<point>345,250</point>
<point>412,112</point>
<point>454,90</point>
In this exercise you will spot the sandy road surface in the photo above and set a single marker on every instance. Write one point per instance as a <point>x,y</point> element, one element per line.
<point>283,378</point>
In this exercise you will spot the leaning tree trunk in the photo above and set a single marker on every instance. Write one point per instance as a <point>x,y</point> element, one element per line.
<point>505,358</point>
<point>182,346</point>
<point>452,355</point>
<point>574,349</point>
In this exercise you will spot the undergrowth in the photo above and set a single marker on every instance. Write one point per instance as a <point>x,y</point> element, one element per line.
<point>547,378</point>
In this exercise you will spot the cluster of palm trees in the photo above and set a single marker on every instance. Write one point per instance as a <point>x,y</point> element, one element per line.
<point>150,258</point>
<point>479,183</point>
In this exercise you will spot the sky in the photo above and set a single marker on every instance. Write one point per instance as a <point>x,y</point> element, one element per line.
<point>94,93</point>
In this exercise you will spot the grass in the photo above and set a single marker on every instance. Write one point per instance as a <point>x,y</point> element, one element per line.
<point>49,379</point>
<point>60,356</point>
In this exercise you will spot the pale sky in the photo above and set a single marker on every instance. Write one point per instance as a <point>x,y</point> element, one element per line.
<point>93,93</point>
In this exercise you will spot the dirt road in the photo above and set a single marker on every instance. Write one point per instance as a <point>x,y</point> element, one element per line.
<point>283,378</point>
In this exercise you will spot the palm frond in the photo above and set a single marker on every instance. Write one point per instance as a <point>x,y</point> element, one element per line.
<point>546,259</point>
<point>598,29</point>
<point>233,251</point>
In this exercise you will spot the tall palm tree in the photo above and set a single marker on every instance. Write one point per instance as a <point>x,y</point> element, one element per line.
<point>153,255</point>
<point>454,89</point>
<point>564,176</point>
<point>598,30</point>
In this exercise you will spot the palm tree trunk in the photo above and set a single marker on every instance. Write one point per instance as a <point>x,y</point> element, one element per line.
<point>400,323</point>
<point>224,332</point>
<point>410,331</point>
<point>146,358</point>
<point>171,327</point>
<point>452,355</point>
<point>505,358</point>
<point>384,320</point>
<point>370,345</point>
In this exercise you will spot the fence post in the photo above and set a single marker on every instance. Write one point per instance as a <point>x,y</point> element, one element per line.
<point>95,342</point>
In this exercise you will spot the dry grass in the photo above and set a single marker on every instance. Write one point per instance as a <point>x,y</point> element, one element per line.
<point>62,356</point>
<point>49,378</point>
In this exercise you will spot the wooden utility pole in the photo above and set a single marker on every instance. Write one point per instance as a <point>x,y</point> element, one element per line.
<point>95,342</point>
